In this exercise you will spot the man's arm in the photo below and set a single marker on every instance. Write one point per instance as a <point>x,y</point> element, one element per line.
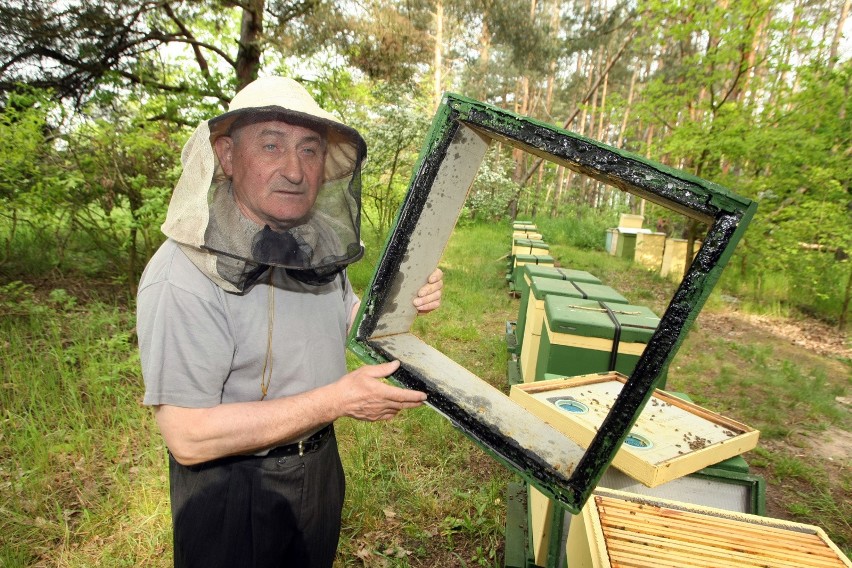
<point>196,435</point>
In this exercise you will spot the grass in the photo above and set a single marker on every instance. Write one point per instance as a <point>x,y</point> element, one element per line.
<point>83,472</point>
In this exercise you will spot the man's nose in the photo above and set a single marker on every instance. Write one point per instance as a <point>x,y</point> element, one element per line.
<point>290,167</point>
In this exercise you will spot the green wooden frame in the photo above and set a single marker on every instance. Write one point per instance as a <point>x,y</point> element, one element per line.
<point>453,151</point>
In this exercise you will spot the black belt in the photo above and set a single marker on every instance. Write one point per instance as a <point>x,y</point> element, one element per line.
<point>311,444</point>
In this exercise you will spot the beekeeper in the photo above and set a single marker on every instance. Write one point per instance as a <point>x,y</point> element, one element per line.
<point>242,317</point>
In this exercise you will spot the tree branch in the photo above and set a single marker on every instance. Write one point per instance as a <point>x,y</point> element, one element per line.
<point>199,57</point>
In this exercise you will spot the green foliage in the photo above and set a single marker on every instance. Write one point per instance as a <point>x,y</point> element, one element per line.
<point>579,226</point>
<point>803,193</point>
<point>73,438</point>
<point>33,179</point>
<point>89,195</point>
<point>492,190</point>
<point>784,147</point>
<point>394,129</point>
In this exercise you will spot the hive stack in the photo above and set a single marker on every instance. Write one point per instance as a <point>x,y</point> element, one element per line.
<point>571,326</point>
<point>528,248</point>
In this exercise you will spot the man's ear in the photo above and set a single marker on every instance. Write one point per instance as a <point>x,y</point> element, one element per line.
<point>224,147</point>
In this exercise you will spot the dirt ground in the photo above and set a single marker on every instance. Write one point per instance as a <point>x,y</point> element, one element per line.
<point>811,335</point>
<point>833,446</point>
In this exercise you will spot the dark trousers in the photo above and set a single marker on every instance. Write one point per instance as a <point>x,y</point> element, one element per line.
<point>258,512</point>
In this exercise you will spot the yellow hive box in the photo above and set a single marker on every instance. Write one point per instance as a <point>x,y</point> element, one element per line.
<point>532,235</point>
<point>670,439</point>
<point>623,529</point>
<point>628,221</point>
<point>529,246</point>
<point>674,258</point>
<point>649,250</point>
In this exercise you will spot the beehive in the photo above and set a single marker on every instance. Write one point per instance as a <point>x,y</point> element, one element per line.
<point>555,272</point>
<point>526,234</point>
<point>528,272</point>
<point>617,529</point>
<point>529,246</point>
<point>670,439</point>
<point>628,221</point>
<point>674,258</point>
<point>531,314</point>
<point>649,250</point>
<point>581,336</point>
<point>521,260</point>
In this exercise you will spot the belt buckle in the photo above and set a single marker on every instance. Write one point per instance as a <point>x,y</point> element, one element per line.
<point>301,448</point>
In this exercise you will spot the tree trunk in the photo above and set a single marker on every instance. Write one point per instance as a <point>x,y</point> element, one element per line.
<point>626,115</point>
<point>602,109</point>
<point>438,57</point>
<point>787,56</point>
<point>483,61</point>
<point>563,178</point>
<point>838,33</point>
<point>248,54</point>
<point>847,299</point>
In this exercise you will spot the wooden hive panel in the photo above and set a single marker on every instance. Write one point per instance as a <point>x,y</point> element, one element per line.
<point>639,534</point>
<point>675,437</point>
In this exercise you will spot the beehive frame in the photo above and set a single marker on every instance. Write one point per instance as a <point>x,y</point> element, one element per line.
<point>618,528</point>
<point>449,161</point>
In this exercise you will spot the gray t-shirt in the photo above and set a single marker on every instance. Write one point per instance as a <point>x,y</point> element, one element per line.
<point>201,346</point>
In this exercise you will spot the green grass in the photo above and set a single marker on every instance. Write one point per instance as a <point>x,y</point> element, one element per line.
<point>81,461</point>
<point>83,473</point>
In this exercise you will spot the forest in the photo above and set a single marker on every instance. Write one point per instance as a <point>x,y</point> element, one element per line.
<point>98,97</point>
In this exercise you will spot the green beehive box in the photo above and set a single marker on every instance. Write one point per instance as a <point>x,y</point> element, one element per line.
<point>580,336</point>
<point>554,272</point>
<point>524,226</point>
<point>531,313</point>
<point>521,260</point>
<point>513,340</point>
<point>529,246</point>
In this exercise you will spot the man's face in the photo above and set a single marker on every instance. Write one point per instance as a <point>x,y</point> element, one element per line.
<point>276,170</point>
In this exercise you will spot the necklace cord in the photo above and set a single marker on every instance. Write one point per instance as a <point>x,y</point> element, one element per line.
<point>265,378</point>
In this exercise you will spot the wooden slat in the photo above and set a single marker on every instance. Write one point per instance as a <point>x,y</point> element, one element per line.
<point>740,543</point>
<point>730,527</point>
<point>632,554</point>
<point>637,558</point>
<point>708,553</point>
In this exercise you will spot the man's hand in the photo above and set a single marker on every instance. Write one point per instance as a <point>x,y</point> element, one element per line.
<point>429,296</point>
<point>364,396</point>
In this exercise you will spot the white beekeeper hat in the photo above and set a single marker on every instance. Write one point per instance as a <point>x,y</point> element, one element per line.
<point>284,97</point>
<point>232,250</point>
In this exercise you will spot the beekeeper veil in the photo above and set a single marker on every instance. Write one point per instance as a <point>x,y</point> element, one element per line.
<point>232,250</point>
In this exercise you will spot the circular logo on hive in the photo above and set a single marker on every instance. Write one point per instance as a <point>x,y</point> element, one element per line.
<point>638,441</point>
<point>572,406</point>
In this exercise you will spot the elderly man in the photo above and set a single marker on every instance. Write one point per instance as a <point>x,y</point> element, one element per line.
<point>242,318</point>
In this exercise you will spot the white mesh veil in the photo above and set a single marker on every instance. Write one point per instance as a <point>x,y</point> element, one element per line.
<point>233,250</point>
